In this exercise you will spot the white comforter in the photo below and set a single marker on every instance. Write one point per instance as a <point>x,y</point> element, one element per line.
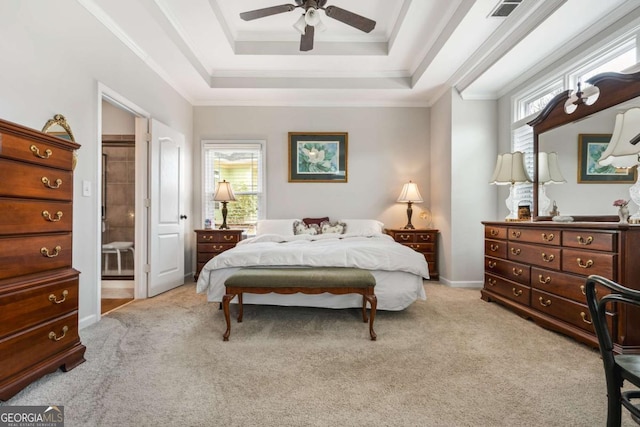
<point>398,269</point>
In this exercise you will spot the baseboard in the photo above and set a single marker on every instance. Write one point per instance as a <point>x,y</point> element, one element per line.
<point>462,284</point>
<point>87,321</point>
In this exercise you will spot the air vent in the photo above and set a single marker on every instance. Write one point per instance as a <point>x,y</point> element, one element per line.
<point>504,8</point>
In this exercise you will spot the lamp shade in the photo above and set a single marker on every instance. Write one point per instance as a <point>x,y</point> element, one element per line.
<point>224,192</point>
<point>620,153</point>
<point>301,25</point>
<point>312,16</point>
<point>510,169</point>
<point>548,169</point>
<point>410,194</point>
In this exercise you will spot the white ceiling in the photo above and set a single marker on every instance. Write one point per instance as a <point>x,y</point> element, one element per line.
<point>418,49</point>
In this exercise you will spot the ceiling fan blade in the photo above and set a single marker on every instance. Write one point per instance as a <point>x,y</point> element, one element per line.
<point>267,11</point>
<point>306,41</point>
<point>350,18</point>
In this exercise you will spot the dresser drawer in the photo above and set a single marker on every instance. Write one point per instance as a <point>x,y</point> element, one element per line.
<point>512,290</point>
<point>588,262</point>
<point>35,182</point>
<point>421,247</point>
<point>42,153</point>
<point>34,216</point>
<point>492,232</point>
<point>408,237</point>
<point>514,271</point>
<point>32,346</point>
<point>562,284</point>
<point>25,308</point>
<point>425,237</point>
<point>495,248</point>
<point>219,237</point>
<point>569,311</point>
<point>547,237</point>
<point>33,254</point>
<point>590,240</point>
<point>209,250</point>
<point>545,256</point>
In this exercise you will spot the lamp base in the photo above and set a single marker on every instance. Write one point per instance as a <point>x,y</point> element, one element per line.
<point>224,225</point>
<point>409,226</point>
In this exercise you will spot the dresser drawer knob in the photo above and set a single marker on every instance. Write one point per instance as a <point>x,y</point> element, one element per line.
<point>54,337</point>
<point>584,242</point>
<point>494,232</point>
<point>492,264</point>
<point>55,253</point>
<point>544,280</point>
<point>516,292</point>
<point>548,237</point>
<point>36,152</point>
<point>584,318</point>
<point>544,303</point>
<point>515,234</point>
<point>515,251</point>
<point>494,248</point>
<point>55,300</point>
<point>517,271</point>
<point>584,291</point>
<point>47,183</point>
<point>548,258</point>
<point>492,282</point>
<point>227,237</point>
<point>49,218</point>
<point>587,264</point>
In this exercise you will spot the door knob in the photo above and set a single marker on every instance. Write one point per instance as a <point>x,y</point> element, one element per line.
<point>183,217</point>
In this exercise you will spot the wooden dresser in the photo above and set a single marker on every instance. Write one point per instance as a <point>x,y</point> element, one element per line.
<point>539,269</point>
<point>423,241</point>
<point>38,286</point>
<point>213,242</point>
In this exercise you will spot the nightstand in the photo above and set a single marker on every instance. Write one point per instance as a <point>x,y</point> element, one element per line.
<point>423,241</point>
<point>213,242</point>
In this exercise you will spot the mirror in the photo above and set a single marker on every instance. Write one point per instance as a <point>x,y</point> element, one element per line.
<point>587,198</point>
<point>58,126</point>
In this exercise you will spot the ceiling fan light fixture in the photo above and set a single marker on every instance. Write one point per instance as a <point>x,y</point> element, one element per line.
<point>312,16</point>
<point>320,26</point>
<point>300,25</point>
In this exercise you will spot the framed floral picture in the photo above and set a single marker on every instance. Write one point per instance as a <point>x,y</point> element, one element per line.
<point>318,156</point>
<point>590,148</point>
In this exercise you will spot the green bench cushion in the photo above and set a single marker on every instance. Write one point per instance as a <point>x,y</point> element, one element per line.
<point>312,277</point>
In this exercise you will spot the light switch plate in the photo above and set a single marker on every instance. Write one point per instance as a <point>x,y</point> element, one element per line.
<point>86,188</point>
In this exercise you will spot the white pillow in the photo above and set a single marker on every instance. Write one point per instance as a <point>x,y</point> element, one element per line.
<point>283,227</point>
<point>363,226</point>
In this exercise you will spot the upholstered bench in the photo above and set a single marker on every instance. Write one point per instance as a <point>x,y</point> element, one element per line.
<point>312,280</point>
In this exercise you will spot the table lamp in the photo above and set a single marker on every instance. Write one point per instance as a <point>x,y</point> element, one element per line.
<point>409,195</point>
<point>510,171</point>
<point>224,194</point>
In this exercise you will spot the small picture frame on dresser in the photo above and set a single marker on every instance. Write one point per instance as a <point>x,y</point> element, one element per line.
<point>524,213</point>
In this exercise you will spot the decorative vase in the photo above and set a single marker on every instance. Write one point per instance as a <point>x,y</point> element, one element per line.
<point>623,214</point>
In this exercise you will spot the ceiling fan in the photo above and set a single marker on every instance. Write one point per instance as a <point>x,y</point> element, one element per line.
<point>309,22</point>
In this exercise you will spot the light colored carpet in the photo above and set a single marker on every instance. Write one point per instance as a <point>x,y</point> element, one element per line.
<point>452,360</point>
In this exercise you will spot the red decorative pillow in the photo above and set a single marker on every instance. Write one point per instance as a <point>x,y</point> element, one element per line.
<point>316,221</point>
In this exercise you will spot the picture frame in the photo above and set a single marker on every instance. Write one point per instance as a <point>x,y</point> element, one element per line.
<point>590,148</point>
<point>318,156</point>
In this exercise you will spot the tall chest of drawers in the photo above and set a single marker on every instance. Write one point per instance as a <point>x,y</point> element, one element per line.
<point>539,269</point>
<point>38,286</point>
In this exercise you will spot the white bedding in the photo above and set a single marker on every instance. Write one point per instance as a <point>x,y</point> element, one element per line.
<point>398,269</point>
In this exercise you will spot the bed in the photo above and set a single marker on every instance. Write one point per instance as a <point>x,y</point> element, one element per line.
<point>398,270</point>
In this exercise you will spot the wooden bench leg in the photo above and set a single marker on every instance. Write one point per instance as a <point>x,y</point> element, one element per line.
<point>240,307</point>
<point>373,300</point>
<point>225,306</point>
<point>364,308</point>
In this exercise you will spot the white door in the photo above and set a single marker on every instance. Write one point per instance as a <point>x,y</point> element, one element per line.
<point>166,214</point>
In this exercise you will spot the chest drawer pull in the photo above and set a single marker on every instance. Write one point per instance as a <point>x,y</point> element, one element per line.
<point>54,337</point>
<point>217,248</point>
<point>494,247</point>
<point>544,303</point>
<point>405,237</point>
<point>515,251</point>
<point>492,264</point>
<point>227,238</point>
<point>544,280</point>
<point>588,264</point>
<point>425,238</point>
<point>55,253</point>
<point>49,218</point>
<point>492,282</point>
<point>36,152</point>
<point>516,292</point>
<point>584,318</point>
<point>548,258</point>
<point>47,183</point>
<point>548,237</point>
<point>515,234</point>
<point>414,246</point>
<point>55,300</point>
<point>584,242</point>
<point>584,291</point>
<point>493,232</point>
<point>517,271</point>
<point>207,237</point>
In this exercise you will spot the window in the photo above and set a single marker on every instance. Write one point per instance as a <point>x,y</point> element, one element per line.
<point>617,59</point>
<point>534,101</point>
<point>242,164</point>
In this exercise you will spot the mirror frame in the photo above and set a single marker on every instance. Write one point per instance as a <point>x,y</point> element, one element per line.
<point>615,88</point>
<point>59,120</point>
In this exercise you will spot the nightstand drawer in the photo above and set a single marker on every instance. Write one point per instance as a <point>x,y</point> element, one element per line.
<point>421,247</point>
<point>212,249</point>
<point>232,236</point>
